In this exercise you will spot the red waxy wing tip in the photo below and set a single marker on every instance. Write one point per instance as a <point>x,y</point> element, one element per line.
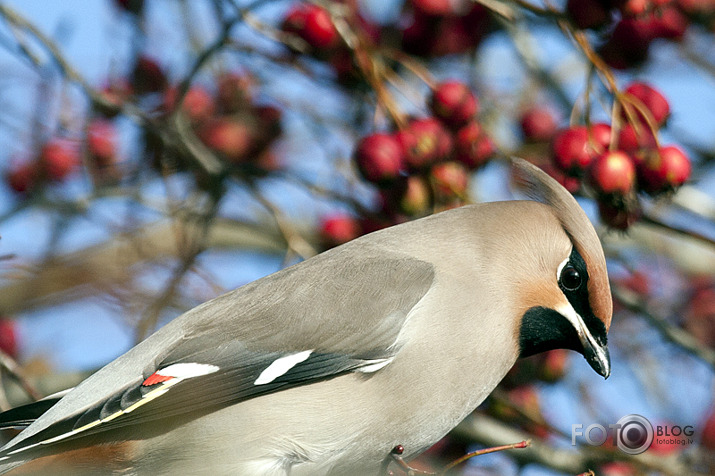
<point>155,378</point>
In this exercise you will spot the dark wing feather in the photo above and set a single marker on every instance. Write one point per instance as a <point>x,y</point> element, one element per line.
<point>194,395</point>
<point>24,415</point>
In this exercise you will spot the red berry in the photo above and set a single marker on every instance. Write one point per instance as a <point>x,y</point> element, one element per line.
<point>416,197</point>
<point>424,142</point>
<point>651,99</point>
<point>148,77</point>
<point>409,197</point>
<point>617,468</point>
<point>294,21</point>
<point>58,158</point>
<point>664,169</point>
<point>450,180</point>
<point>599,137</point>
<point>526,398</point>
<point>553,365</point>
<point>571,150</point>
<point>231,137</point>
<point>473,146</point>
<point>633,8</point>
<point>677,165</point>
<point>433,7</point>
<point>102,141</point>
<point>637,282</point>
<point>22,176</point>
<point>633,140</point>
<point>8,337</point>
<point>313,24</point>
<point>707,438</point>
<point>668,22</point>
<point>454,103</point>
<point>198,105</point>
<point>379,158</point>
<point>664,446</point>
<point>588,13</point>
<point>613,173</point>
<point>451,34</point>
<point>572,184</point>
<point>696,8</point>
<point>628,44</point>
<point>339,228</point>
<point>538,124</point>
<point>319,32</point>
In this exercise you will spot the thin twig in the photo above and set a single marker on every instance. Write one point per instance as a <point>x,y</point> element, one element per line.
<point>12,367</point>
<point>673,334</point>
<point>541,11</point>
<point>651,220</point>
<point>494,449</point>
<point>294,241</point>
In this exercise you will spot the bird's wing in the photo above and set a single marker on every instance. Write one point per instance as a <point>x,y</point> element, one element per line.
<point>339,312</point>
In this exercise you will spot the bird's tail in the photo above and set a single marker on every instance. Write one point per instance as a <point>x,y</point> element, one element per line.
<point>17,419</point>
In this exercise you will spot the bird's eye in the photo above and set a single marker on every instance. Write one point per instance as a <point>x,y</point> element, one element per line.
<point>570,278</point>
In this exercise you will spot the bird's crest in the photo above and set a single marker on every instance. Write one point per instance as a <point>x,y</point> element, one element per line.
<point>539,186</point>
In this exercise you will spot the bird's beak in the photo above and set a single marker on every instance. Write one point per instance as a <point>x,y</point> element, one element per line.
<point>596,355</point>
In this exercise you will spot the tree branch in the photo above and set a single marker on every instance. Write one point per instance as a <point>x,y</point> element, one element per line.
<point>107,263</point>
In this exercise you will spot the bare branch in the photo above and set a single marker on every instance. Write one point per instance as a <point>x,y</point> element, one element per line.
<point>491,432</point>
<point>107,263</point>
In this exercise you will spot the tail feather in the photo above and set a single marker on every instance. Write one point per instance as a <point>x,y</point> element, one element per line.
<point>23,416</point>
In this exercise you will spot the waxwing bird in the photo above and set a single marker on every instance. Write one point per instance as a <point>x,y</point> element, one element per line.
<point>325,366</point>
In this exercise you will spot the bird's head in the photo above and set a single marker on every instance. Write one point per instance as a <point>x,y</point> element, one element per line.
<point>568,305</point>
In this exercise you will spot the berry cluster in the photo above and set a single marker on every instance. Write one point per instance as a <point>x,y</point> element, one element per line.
<point>616,163</point>
<point>225,119</point>
<point>56,160</point>
<point>425,165</point>
<point>630,26</point>
<point>442,27</point>
<point>314,26</point>
<point>427,28</point>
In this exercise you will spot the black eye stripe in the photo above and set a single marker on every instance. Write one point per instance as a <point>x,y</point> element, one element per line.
<point>578,296</point>
<point>570,278</point>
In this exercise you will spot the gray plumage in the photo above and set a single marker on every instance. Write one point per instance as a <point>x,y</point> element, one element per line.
<point>401,333</point>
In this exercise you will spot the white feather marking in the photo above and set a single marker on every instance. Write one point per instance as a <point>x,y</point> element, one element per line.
<point>584,334</point>
<point>573,317</point>
<point>145,399</point>
<point>374,365</point>
<point>59,437</point>
<point>280,366</point>
<point>24,448</point>
<point>178,371</point>
<point>187,370</point>
<point>151,395</point>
